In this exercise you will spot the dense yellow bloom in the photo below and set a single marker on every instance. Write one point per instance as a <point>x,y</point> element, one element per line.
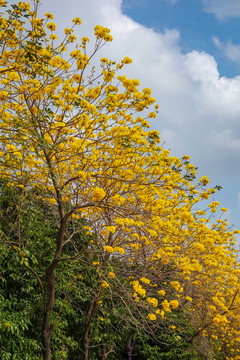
<point>49,16</point>
<point>51,26</point>
<point>111,275</point>
<point>23,5</point>
<point>68,31</point>
<point>105,284</point>
<point>77,21</point>
<point>53,37</point>
<point>166,306</point>
<point>108,248</point>
<point>175,284</point>
<point>152,317</point>
<point>216,320</point>
<point>174,304</point>
<point>119,249</point>
<point>138,288</point>
<point>152,301</point>
<point>111,229</point>
<point>98,194</point>
<point>199,247</point>
<point>126,60</point>
<point>104,33</point>
<point>204,180</point>
<point>145,280</point>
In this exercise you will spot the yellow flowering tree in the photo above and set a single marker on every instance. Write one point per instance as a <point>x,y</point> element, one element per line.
<point>74,136</point>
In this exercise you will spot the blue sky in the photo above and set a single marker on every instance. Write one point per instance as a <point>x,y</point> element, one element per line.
<point>196,25</point>
<point>188,53</point>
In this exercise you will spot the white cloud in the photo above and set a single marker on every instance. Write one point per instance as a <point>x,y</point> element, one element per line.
<point>222,9</point>
<point>199,110</point>
<point>230,51</point>
<point>217,42</point>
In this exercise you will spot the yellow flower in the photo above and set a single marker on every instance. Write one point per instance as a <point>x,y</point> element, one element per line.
<point>51,26</point>
<point>174,304</point>
<point>77,21</point>
<point>126,60</point>
<point>216,320</point>
<point>152,115</point>
<point>108,248</point>
<point>152,317</point>
<point>119,249</point>
<point>152,301</point>
<point>98,194</point>
<point>102,33</point>
<point>199,247</point>
<point>236,231</point>
<point>145,280</point>
<point>111,275</point>
<point>161,292</point>
<point>68,31</point>
<point>24,5</point>
<point>85,39</point>
<point>204,180</point>
<point>52,201</point>
<point>223,319</point>
<point>111,229</point>
<point>105,284</point>
<point>53,37</point>
<point>49,16</point>
<point>166,306</point>
<point>104,60</point>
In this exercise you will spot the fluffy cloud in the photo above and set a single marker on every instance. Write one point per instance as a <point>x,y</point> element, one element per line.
<point>222,9</point>
<point>231,51</point>
<point>199,110</point>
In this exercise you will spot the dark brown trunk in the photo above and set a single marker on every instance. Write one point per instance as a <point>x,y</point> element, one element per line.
<point>87,337</point>
<point>46,345</point>
<point>50,279</point>
<point>130,348</point>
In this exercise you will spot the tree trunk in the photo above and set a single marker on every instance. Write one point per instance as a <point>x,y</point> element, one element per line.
<point>130,348</point>
<point>87,337</point>
<point>50,279</point>
<point>46,345</point>
<point>47,330</point>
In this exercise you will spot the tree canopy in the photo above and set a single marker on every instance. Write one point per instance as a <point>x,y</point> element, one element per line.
<point>106,238</point>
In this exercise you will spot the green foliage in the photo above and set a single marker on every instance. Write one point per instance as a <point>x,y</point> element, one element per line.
<point>78,283</point>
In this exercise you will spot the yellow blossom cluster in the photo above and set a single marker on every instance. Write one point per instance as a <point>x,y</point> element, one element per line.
<point>98,194</point>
